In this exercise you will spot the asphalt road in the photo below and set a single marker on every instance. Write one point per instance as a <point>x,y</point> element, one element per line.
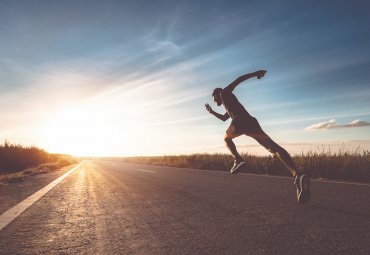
<point>106,207</point>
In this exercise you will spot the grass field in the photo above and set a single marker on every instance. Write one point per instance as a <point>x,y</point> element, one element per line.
<point>17,161</point>
<point>342,165</point>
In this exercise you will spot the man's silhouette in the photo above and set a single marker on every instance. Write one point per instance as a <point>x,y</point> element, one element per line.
<point>244,124</point>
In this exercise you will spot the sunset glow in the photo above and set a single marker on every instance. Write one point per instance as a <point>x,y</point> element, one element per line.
<point>79,131</point>
<point>105,82</point>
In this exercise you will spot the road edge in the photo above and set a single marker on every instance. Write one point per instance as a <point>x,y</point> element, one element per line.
<point>8,216</point>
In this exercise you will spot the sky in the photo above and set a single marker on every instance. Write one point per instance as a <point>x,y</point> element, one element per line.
<point>126,78</point>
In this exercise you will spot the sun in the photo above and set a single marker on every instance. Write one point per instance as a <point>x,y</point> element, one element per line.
<point>81,131</point>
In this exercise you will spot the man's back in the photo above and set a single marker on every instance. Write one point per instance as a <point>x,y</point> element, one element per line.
<point>232,105</point>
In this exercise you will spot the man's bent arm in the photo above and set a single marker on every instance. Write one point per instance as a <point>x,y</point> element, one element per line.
<point>231,86</point>
<point>223,117</point>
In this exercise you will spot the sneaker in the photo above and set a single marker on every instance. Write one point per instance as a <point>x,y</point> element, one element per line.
<point>302,184</point>
<point>236,166</point>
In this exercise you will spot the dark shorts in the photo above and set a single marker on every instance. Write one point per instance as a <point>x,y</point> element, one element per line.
<point>247,125</point>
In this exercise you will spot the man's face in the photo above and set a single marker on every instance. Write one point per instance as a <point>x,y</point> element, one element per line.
<point>217,100</point>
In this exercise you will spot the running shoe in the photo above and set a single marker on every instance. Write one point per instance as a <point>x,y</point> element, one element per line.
<point>302,184</point>
<point>236,166</point>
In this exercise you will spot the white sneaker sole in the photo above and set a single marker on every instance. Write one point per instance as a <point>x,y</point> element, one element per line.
<point>305,193</point>
<point>234,170</point>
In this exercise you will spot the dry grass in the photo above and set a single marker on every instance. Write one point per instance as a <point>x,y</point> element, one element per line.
<point>342,165</point>
<point>17,162</point>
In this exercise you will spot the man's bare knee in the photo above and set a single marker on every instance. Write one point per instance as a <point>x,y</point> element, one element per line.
<point>227,138</point>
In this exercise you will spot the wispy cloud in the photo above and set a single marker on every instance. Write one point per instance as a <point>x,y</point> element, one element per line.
<point>324,125</point>
<point>357,123</point>
<point>332,124</point>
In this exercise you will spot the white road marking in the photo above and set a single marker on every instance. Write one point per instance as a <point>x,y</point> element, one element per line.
<point>312,180</point>
<point>343,182</point>
<point>273,176</point>
<point>15,211</point>
<point>144,170</point>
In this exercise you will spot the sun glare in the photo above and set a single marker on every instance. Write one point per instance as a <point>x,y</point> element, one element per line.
<point>81,132</point>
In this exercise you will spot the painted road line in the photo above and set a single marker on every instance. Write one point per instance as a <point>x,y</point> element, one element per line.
<point>312,180</point>
<point>342,182</point>
<point>15,211</point>
<point>144,170</point>
<point>272,176</point>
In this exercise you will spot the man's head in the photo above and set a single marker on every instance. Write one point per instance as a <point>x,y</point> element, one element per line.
<point>217,96</point>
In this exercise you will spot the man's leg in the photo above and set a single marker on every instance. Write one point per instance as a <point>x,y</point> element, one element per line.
<point>229,136</point>
<point>302,182</point>
<point>278,151</point>
<point>253,129</point>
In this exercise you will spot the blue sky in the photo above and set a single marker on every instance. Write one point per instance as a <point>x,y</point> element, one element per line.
<point>131,77</point>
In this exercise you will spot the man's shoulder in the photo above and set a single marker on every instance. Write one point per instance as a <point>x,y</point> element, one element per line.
<point>226,93</point>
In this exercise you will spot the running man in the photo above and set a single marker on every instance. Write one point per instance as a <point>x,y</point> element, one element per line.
<point>244,124</point>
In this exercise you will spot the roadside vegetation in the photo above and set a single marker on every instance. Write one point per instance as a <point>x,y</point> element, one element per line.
<point>17,161</point>
<point>342,165</point>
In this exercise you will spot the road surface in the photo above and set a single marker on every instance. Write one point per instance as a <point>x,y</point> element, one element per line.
<point>106,207</point>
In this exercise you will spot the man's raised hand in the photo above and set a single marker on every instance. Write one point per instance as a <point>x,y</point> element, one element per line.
<point>209,108</point>
<point>260,73</point>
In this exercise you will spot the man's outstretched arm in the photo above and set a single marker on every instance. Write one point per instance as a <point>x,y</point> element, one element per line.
<point>216,114</point>
<point>259,74</point>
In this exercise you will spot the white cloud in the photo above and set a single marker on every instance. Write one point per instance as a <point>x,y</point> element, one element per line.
<point>331,124</point>
<point>324,125</point>
<point>357,123</point>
